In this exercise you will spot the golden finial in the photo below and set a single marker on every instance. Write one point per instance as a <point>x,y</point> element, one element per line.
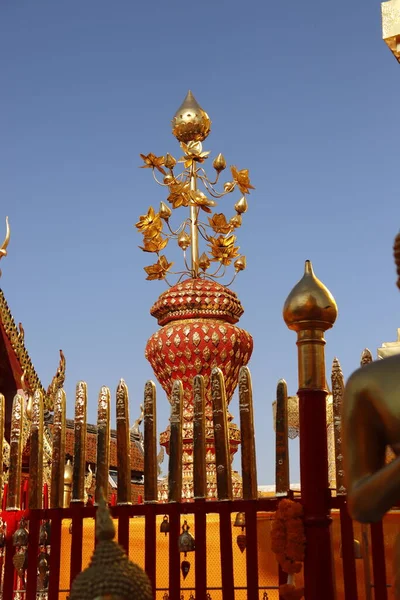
<point>110,573</point>
<point>396,252</point>
<point>366,357</point>
<point>310,302</point>
<point>190,123</point>
<point>192,188</point>
<point>3,247</point>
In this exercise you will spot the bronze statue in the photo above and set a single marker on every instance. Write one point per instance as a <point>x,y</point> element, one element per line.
<point>371,422</point>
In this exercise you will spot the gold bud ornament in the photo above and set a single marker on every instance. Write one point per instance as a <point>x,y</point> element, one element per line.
<point>169,161</point>
<point>240,263</point>
<point>183,240</point>
<point>219,163</point>
<point>241,205</point>
<point>165,212</point>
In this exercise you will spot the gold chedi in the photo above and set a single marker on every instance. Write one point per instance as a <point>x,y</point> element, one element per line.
<point>110,574</point>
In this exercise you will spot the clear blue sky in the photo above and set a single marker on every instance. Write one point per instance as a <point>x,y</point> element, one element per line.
<point>304,94</point>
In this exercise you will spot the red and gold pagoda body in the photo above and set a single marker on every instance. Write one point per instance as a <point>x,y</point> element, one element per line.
<point>198,333</point>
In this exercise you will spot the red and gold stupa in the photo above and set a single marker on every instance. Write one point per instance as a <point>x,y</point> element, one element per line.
<point>198,315</point>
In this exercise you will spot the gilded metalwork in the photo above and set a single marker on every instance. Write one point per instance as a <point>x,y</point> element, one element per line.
<point>36,453</point>
<point>222,453</point>
<point>390,348</point>
<point>68,476</point>
<point>80,429</point>
<point>248,451</point>
<point>150,443</point>
<point>391,26</point>
<point>337,394</point>
<point>103,442</point>
<point>175,444</point>
<point>15,469</point>
<point>57,466</point>
<point>282,477</point>
<point>57,382</point>
<point>123,445</point>
<point>199,438</point>
<point>191,125</point>
<point>4,246</point>
<point>310,309</point>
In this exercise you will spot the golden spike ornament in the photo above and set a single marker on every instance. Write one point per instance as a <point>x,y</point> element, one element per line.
<point>150,443</point>
<point>192,188</point>
<point>199,438</point>
<point>14,474</point>
<point>282,478</point>
<point>3,247</point>
<point>222,453</point>
<point>366,357</point>
<point>337,380</point>
<point>103,441</point>
<point>58,457</point>
<point>36,452</point>
<point>175,444</point>
<point>80,429</point>
<point>123,445</point>
<point>248,452</point>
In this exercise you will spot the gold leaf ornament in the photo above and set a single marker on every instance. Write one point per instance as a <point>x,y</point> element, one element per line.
<point>223,249</point>
<point>201,200</point>
<point>150,225</point>
<point>204,262</point>
<point>219,224</point>
<point>159,270</point>
<point>193,153</point>
<point>179,194</point>
<point>151,161</point>
<point>155,244</point>
<point>241,178</point>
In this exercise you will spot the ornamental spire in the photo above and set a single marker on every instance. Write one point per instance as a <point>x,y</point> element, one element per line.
<point>191,125</point>
<point>3,247</point>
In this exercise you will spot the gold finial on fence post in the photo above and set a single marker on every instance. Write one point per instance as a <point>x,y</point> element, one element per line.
<point>123,445</point>
<point>282,477</point>
<point>366,357</point>
<point>78,484</point>
<point>199,439</point>
<point>175,444</point>
<point>337,380</point>
<point>103,443</point>
<point>58,462</point>
<point>36,452</point>
<point>248,450</point>
<point>2,419</point>
<point>150,443</point>
<point>222,454</point>
<point>3,247</point>
<point>14,476</point>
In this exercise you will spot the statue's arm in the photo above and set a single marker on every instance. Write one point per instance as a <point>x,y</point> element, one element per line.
<point>373,487</point>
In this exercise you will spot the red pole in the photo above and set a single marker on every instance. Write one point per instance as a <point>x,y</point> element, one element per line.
<point>310,310</point>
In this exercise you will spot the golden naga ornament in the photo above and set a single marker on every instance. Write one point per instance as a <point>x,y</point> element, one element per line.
<point>191,126</point>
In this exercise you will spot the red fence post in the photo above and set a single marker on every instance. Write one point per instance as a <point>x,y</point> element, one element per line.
<point>348,557</point>
<point>174,554</point>
<point>378,561</point>
<point>11,519</point>
<point>123,526</point>
<point>252,551</point>
<point>225,535</point>
<point>77,538</point>
<point>150,545</point>
<point>55,554</point>
<point>200,555</point>
<point>33,548</point>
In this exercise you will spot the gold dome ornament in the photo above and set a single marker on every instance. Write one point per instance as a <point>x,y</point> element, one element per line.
<point>310,304</point>
<point>110,574</point>
<point>191,123</point>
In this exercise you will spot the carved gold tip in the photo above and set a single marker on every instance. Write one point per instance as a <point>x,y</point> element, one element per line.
<point>3,247</point>
<point>366,357</point>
